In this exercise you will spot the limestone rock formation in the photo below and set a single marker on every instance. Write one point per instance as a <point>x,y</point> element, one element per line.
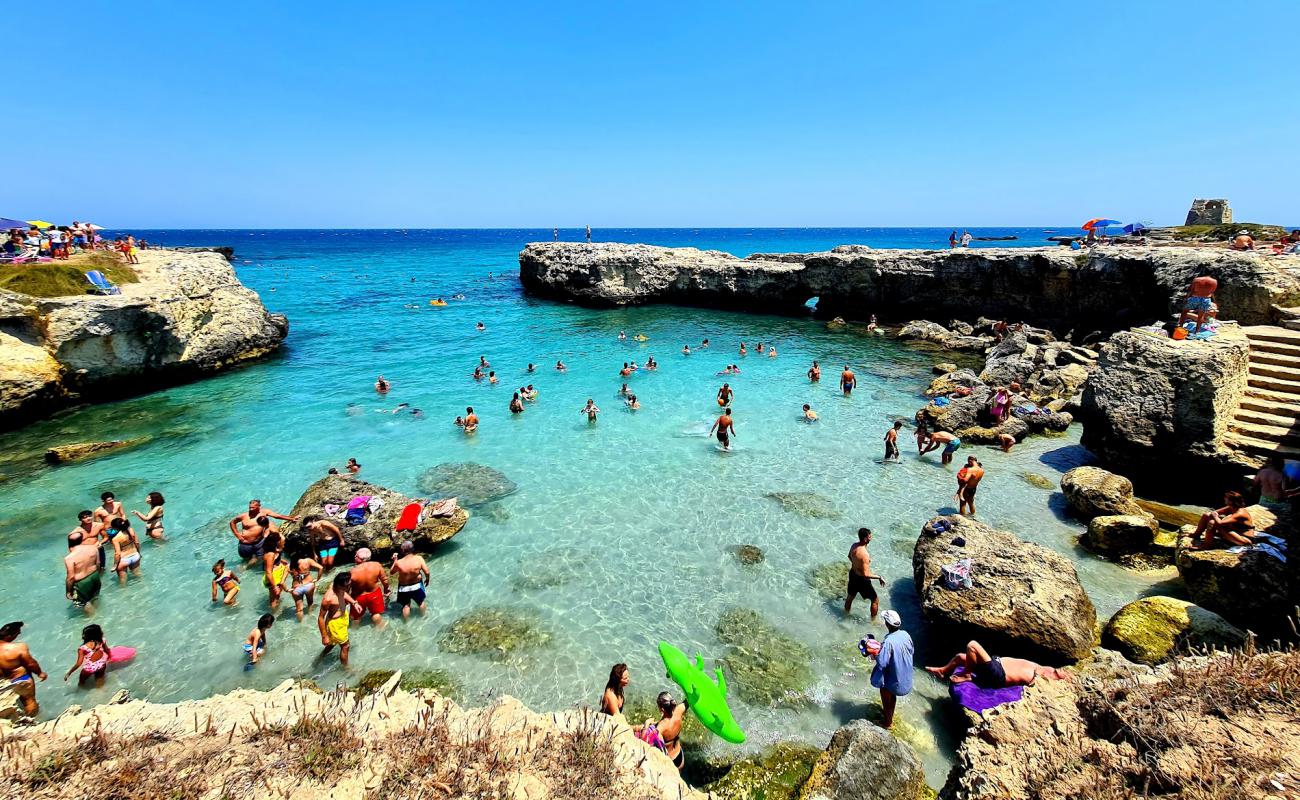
<point>1094,492</point>
<point>1120,534</point>
<point>1249,589</point>
<point>378,532</point>
<point>776,773</point>
<point>1104,288</point>
<point>1025,600</point>
<point>1209,212</point>
<point>187,316</point>
<point>865,762</point>
<point>1154,629</point>
<point>1154,402</point>
<point>298,743</point>
<point>80,451</point>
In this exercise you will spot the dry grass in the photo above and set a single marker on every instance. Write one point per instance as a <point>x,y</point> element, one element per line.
<point>64,278</point>
<point>317,747</point>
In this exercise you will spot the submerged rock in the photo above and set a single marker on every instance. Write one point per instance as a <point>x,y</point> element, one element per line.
<point>1094,492</point>
<point>763,665</point>
<point>777,773</point>
<point>748,554</point>
<point>1025,600</point>
<point>474,484</point>
<point>1038,481</point>
<point>1121,534</point>
<point>378,532</point>
<point>542,575</point>
<point>440,681</point>
<point>808,504</point>
<point>831,579</point>
<point>67,453</point>
<point>1154,629</point>
<point>863,762</point>
<point>494,632</point>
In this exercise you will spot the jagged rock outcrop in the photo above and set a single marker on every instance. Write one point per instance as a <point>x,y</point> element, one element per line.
<point>1156,403</point>
<point>1250,589</point>
<point>187,316</point>
<point>1106,288</point>
<point>865,762</point>
<point>1025,600</point>
<point>378,532</point>
<point>301,744</point>
<point>1154,629</point>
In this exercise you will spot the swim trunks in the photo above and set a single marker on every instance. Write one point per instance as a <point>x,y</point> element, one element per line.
<point>952,446</point>
<point>329,551</point>
<point>250,550</point>
<point>337,629</point>
<point>891,449</point>
<point>86,589</point>
<point>991,675</point>
<point>861,585</point>
<point>414,593</point>
<point>372,602</point>
<point>847,387</point>
<point>1195,303</point>
<point>968,491</point>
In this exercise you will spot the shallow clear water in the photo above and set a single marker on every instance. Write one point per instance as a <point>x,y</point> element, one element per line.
<point>639,510</point>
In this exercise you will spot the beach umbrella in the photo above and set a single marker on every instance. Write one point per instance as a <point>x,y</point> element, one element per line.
<point>9,224</point>
<point>94,227</point>
<point>1099,222</point>
<point>1134,227</point>
<point>40,223</point>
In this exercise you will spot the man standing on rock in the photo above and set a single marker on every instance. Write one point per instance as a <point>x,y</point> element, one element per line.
<point>860,576</point>
<point>18,671</point>
<point>369,587</point>
<point>892,674</point>
<point>1199,299</point>
<point>82,564</point>
<point>411,573</point>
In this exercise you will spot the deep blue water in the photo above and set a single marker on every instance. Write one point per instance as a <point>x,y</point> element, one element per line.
<point>621,532</point>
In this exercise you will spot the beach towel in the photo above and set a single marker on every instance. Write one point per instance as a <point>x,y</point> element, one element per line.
<point>979,699</point>
<point>651,736</point>
<point>957,576</point>
<point>410,518</point>
<point>358,507</point>
<point>443,508</point>
<point>332,509</point>
<point>360,501</point>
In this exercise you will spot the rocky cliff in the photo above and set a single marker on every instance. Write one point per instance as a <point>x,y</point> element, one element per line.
<point>187,316</point>
<point>1104,289</point>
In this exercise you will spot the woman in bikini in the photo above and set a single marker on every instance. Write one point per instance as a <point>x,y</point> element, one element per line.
<point>225,583</point>
<point>669,726</point>
<point>611,702</point>
<point>92,657</point>
<point>153,521</point>
<point>274,568</point>
<point>303,589</point>
<point>126,550</point>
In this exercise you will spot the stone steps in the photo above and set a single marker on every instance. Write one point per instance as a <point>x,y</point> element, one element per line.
<point>1267,420</point>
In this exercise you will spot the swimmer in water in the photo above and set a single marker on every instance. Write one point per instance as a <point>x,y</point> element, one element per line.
<point>559,366</point>
<point>532,367</point>
<point>686,349</point>
<point>814,373</point>
<point>353,467</point>
<point>871,326</point>
<point>625,371</point>
<point>704,343</point>
<point>725,394</point>
<point>848,381</point>
<point>471,420</point>
<point>725,428</point>
<point>891,441</point>
<point>590,410</point>
<point>492,376</point>
<point>651,363</point>
<point>256,643</point>
<point>516,405</point>
<point>624,392</point>
<point>483,362</point>
<point>532,394</point>
<point>771,351</point>
<point>481,326</point>
<point>225,583</point>
<point>460,422</point>
<point>760,348</point>
<point>808,414</point>
<point>382,386</point>
<point>478,374</point>
<point>632,403</point>
<point>622,336</point>
<point>743,351</point>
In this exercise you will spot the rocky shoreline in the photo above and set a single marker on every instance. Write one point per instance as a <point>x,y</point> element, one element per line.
<point>188,316</point>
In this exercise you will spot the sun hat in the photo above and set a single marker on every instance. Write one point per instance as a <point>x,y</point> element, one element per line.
<point>892,619</point>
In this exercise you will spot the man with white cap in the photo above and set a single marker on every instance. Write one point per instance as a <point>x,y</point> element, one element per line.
<point>369,587</point>
<point>893,671</point>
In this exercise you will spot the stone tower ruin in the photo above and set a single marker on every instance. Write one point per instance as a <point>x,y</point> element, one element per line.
<point>1209,212</point>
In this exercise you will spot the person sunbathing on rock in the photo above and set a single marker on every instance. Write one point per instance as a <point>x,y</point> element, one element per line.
<point>990,672</point>
<point>1232,523</point>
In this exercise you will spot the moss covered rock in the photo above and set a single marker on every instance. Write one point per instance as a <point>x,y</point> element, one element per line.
<point>863,762</point>
<point>777,773</point>
<point>474,484</point>
<point>831,579</point>
<point>763,665</point>
<point>1153,629</point>
<point>748,554</point>
<point>807,504</point>
<point>494,632</point>
<point>440,681</point>
<point>1121,534</point>
<point>1038,481</point>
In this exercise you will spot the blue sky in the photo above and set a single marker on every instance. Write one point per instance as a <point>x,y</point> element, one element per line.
<point>411,114</point>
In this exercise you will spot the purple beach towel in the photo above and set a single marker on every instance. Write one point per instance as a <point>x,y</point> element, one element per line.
<point>979,700</point>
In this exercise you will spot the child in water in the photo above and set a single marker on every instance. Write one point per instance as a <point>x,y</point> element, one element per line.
<point>256,643</point>
<point>225,582</point>
<point>92,657</point>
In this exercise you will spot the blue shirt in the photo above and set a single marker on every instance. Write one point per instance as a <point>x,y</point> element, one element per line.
<point>893,670</point>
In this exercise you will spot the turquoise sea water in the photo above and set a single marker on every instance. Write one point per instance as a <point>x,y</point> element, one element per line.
<point>637,513</point>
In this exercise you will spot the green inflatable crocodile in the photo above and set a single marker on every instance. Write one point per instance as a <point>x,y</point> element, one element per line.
<point>707,699</point>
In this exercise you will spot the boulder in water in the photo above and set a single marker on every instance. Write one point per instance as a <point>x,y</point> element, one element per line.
<point>80,451</point>
<point>494,632</point>
<point>1121,534</point>
<point>777,773</point>
<point>1025,600</point>
<point>1154,629</point>
<point>378,532</point>
<point>1038,481</point>
<point>763,665</point>
<point>1094,492</point>
<point>864,762</point>
<point>473,484</point>
<point>808,504</point>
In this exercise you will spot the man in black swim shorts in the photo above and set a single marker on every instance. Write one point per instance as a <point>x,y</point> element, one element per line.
<point>860,576</point>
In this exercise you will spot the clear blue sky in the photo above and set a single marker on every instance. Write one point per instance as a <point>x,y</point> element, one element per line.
<point>514,114</point>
